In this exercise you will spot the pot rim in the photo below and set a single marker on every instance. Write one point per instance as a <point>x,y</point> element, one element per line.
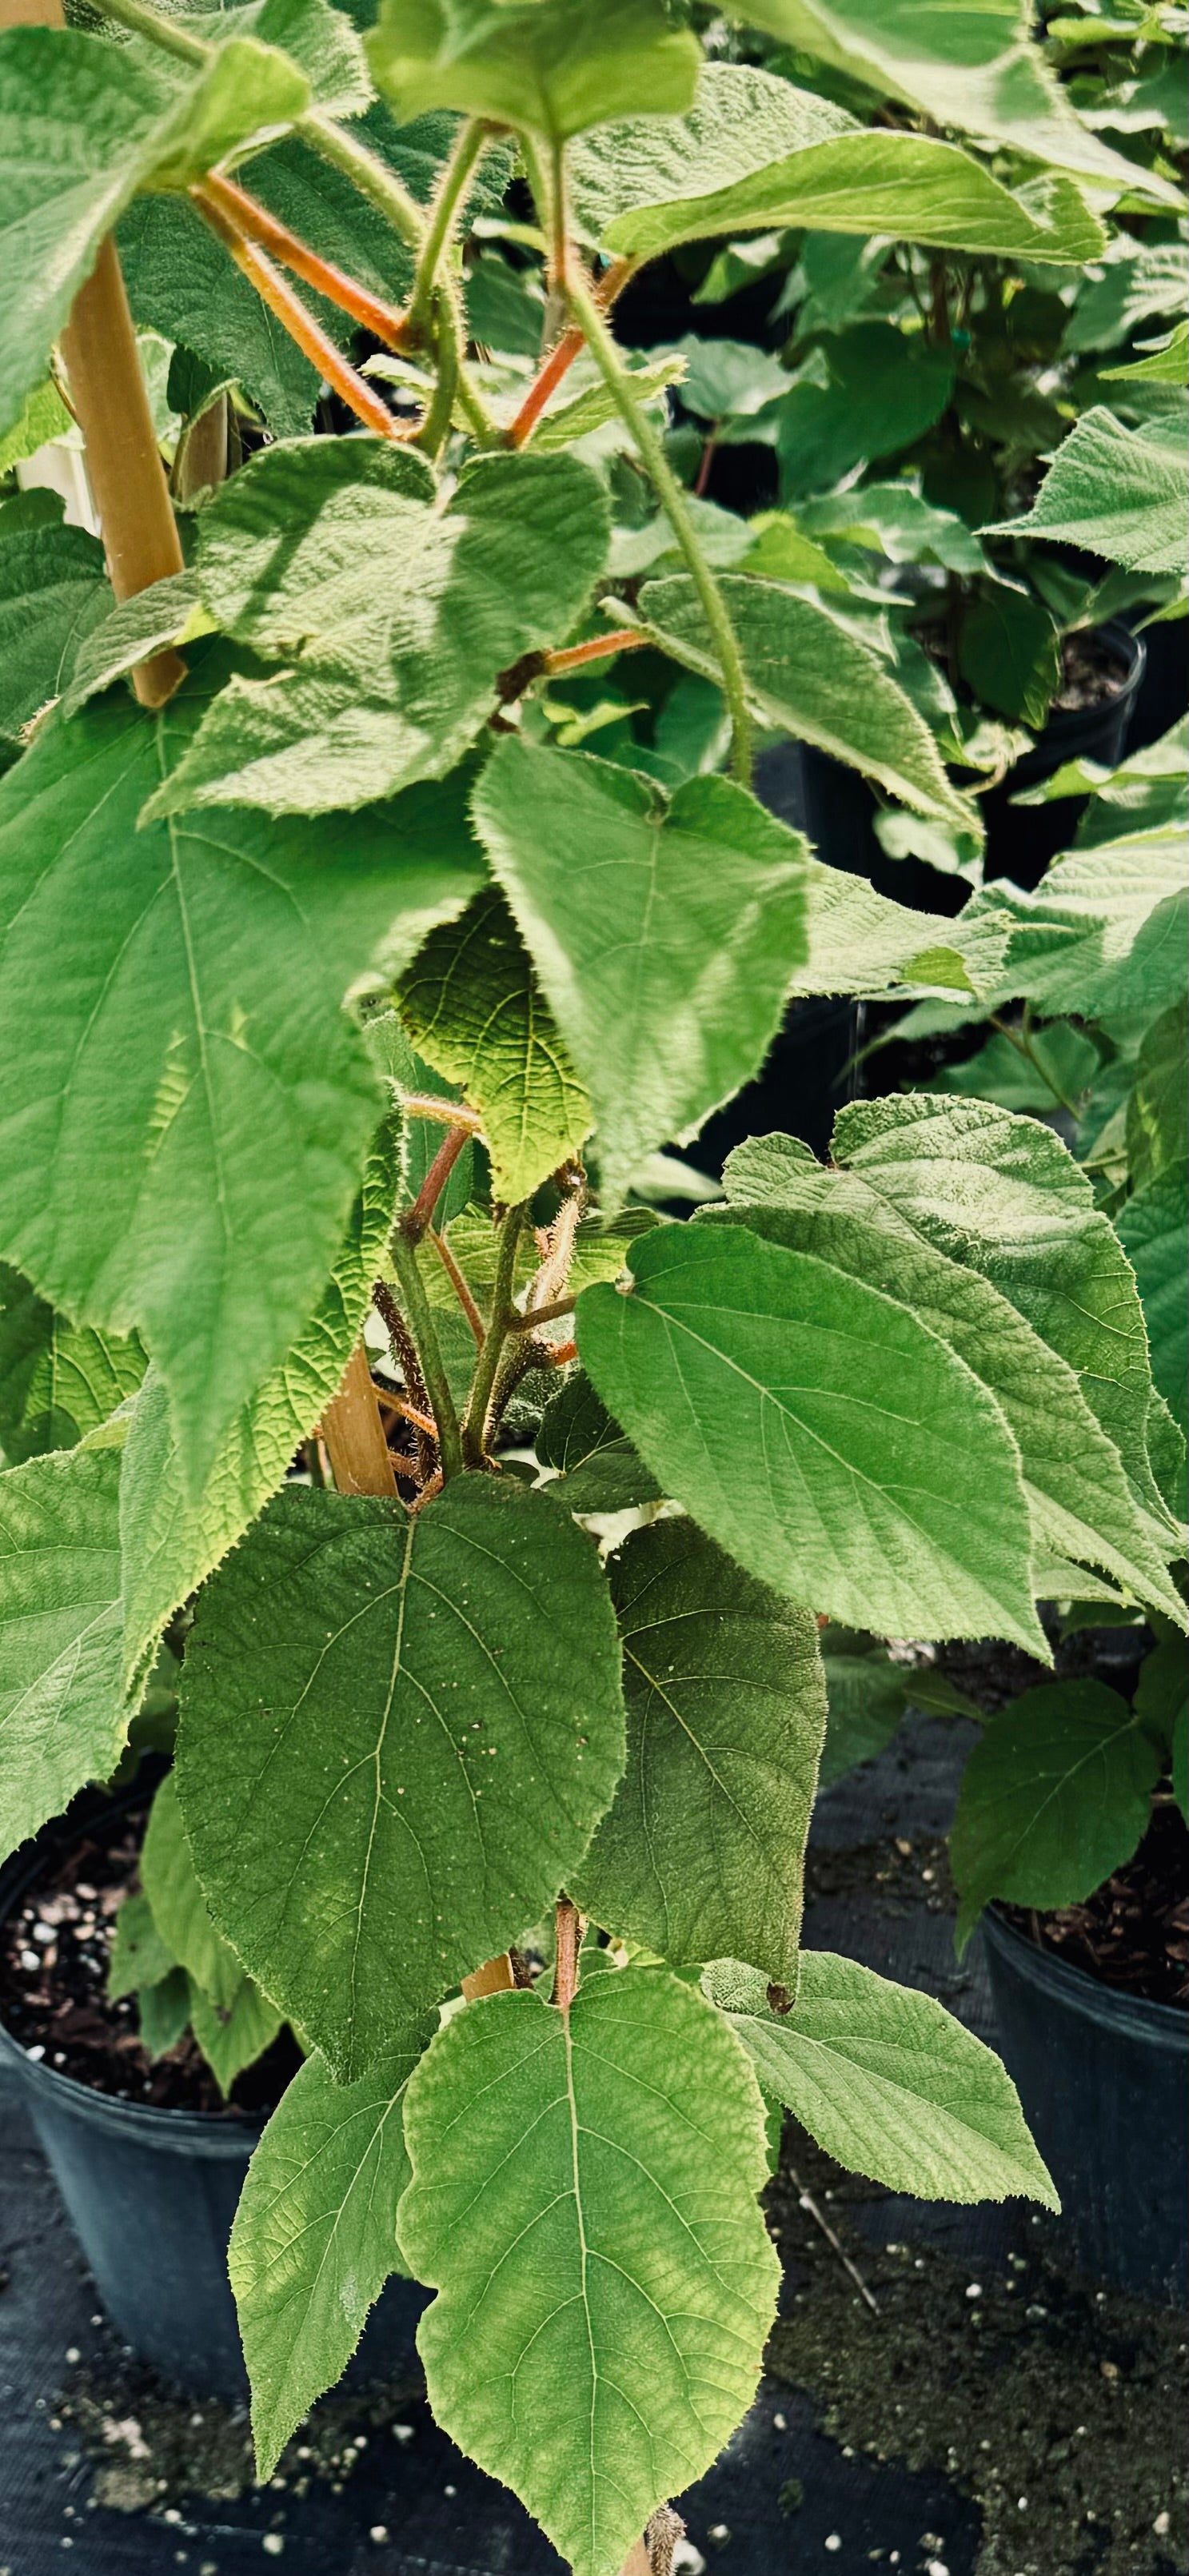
<point>1158,2024</point>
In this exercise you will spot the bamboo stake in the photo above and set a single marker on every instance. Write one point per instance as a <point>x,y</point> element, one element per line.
<point>354,1433</point>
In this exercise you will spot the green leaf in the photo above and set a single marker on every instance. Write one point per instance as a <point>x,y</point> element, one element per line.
<point>126,634</point>
<point>184,1132</point>
<point>1135,281</point>
<point>1162,1691</point>
<point>443,1767</point>
<point>83,124</point>
<point>700,1855</point>
<point>563,421</point>
<point>313,2241</point>
<point>321,40</point>
<point>887,2082</point>
<point>53,591</point>
<point>1061,1065</point>
<point>169,1543</point>
<point>551,66</point>
<point>1078,1497</point>
<point>623,2258</point>
<point>43,418</point>
<point>232,2035</point>
<point>1119,492</point>
<point>862,942</point>
<point>1009,652</point>
<point>181,281</point>
<point>62,1717</point>
<point>1002,1195</point>
<point>866,1696</point>
<point>1055,1796</point>
<point>973,66</point>
<point>163,2012</point>
<point>56,1383</point>
<point>867,392</point>
<point>664,932</point>
<point>894,520</point>
<point>1158,1110</point>
<point>778,1402</point>
<point>1103,936</point>
<point>754,153</point>
<point>180,1910</point>
<point>140,1956</point>
<point>1153,1228</point>
<point>808,675</point>
<point>389,681</point>
<point>472,1005</point>
<point>1166,364</point>
<point>598,1469</point>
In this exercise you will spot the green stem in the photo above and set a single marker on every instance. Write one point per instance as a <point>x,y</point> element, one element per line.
<point>605,353</point>
<point>469,147</point>
<point>1023,1046</point>
<point>165,32</point>
<point>488,1362</point>
<point>429,1351</point>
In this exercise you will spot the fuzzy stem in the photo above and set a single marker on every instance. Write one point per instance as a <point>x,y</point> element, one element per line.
<point>354,1433</point>
<point>429,1351</point>
<point>563,354</point>
<point>459,1285</point>
<point>469,147</point>
<point>528,1322</point>
<point>256,224</point>
<point>295,318</point>
<point>483,1382</point>
<point>618,381</point>
<point>445,1113</point>
<point>626,639</point>
<point>142,21</point>
<point>417,1220</point>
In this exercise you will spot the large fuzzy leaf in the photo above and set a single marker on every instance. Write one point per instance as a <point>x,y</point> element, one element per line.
<point>1154,1231</point>
<point>819,1432</point>
<point>887,2081</point>
<point>1055,1795</point>
<point>553,66</point>
<point>314,2241</point>
<point>1122,493</point>
<point>389,679</point>
<point>473,1006</point>
<point>57,1383</point>
<point>664,932</point>
<point>754,153</point>
<point>700,1855</point>
<point>53,591</point>
<point>83,124</point>
<point>385,1766</point>
<point>1103,935</point>
<point>807,674</point>
<point>584,2201</point>
<point>62,1715</point>
<point>863,942</point>
<point>182,1136</point>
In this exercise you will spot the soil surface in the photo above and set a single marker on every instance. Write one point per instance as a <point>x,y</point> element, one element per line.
<point>54,1954</point>
<point>1134,1932</point>
<point>1092,672</point>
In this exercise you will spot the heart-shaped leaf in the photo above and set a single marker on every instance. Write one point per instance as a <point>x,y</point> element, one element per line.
<point>553,66</point>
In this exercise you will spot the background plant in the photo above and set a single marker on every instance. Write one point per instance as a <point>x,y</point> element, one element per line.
<point>348,1000</point>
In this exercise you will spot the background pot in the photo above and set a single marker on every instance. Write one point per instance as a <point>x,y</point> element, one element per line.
<point>151,2194</point>
<point>1104,2080</point>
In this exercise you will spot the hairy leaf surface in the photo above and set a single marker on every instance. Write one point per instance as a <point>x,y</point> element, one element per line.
<point>62,1716</point>
<point>553,66</point>
<point>57,1383</point>
<point>1120,492</point>
<point>53,591</point>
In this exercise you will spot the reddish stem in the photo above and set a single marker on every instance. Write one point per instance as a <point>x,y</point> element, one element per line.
<point>419,1217</point>
<point>626,639</point>
<point>562,357</point>
<point>459,1285</point>
<point>534,1315</point>
<point>447,1113</point>
<point>559,1352</point>
<point>709,453</point>
<point>254,221</point>
<point>569,1936</point>
<point>294,317</point>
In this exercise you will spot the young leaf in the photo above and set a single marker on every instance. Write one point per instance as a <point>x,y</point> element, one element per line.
<point>180,1910</point>
<point>170,1544</point>
<point>57,1383</point>
<point>700,1854</point>
<point>621,2258</point>
<point>232,2035</point>
<point>1010,652</point>
<point>887,2081</point>
<point>183,1134</point>
<point>162,614</point>
<point>471,1003</point>
<point>1119,492</point>
<point>53,591</point>
<point>599,1471</point>
<point>553,66</point>
<point>1153,1228</point>
<point>441,1768</point>
<point>781,1405</point>
<point>1055,1796</point>
<point>62,1715</point>
<point>866,392</point>
<point>664,932</point>
<point>163,2012</point>
<point>140,1956</point>
<point>808,675</point>
<point>388,679</point>
<point>314,2238</point>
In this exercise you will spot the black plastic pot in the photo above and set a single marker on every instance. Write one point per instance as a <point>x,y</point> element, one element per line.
<point>1104,2081</point>
<point>151,2195</point>
<point>1164,685</point>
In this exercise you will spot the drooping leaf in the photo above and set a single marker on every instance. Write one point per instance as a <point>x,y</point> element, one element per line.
<point>867,392</point>
<point>140,1956</point>
<point>183,1135</point>
<point>781,1404</point>
<point>664,932</point>
<point>390,680</point>
<point>169,1543</point>
<point>755,153</point>
<point>163,2012</point>
<point>62,1715</point>
<point>314,2238</point>
<point>1010,653</point>
<point>887,2081</point>
<point>1055,1795</point>
<point>809,675</point>
<point>127,634</point>
<point>622,2258</point>
<point>700,1854</point>
<point>598,1469</point>
<point>53,591</point>
<point>1079,1501</point>
<point>474,1009</point>
<point>57,1383</point>
<point>232,2035</point>
<point>1153,1227</point>
<point>1103,935</point>
<point>866,1696</point>
<point>83,124</point>
<point>553,66</point>
<point>1121,493</point>
<point>973,67</point>
<point>180,1910</point>
<point>862,942</point>
<point>441,1767</point>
